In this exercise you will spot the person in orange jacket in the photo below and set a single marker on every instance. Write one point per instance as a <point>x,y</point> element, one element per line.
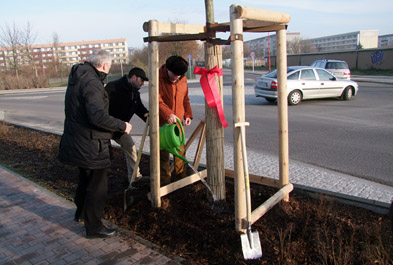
<point>174,103</point>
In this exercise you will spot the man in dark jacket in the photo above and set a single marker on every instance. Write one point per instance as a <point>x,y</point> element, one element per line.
<point>88,129</point>
<point>124,102</point>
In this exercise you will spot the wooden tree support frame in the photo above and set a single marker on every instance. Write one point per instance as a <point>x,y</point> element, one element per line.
<point>253,20</point>
<point>194,177</point>
<point>242,19</point>
<point>202,138</point>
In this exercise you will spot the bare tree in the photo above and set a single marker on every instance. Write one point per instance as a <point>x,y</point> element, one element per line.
<point>299,46</point>
<point>226,52</point>
<point>27,39</point>
<point>17,44</point>
<point>246,51</point>
<point>10,40</point>
<point>180,48</point>
<point>293,46</point>
<point>139,57</point>
<point>308,46</point>
<point>55,46</point>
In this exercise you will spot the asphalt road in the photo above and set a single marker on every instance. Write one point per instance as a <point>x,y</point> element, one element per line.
<point>353,137</point>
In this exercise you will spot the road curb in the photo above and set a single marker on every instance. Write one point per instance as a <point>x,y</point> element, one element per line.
<point>372,81</point>
<point>31,90</point>
<point>372,205</point>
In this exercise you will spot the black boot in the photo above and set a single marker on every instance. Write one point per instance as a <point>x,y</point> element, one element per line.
<point>78,217</point>
<point>104,232</point>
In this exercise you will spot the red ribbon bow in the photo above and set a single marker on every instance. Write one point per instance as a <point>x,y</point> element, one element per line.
<point>208,84</point>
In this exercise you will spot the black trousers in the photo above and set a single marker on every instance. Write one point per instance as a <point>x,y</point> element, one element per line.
<point>90,197</point>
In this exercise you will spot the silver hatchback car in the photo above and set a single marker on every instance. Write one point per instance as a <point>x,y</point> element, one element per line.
<point>305,82</point>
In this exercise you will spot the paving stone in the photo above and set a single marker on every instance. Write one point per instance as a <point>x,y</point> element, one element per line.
<point>37,227</point>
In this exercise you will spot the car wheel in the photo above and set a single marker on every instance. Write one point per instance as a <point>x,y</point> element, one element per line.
<point>347,95</point>
<point>271,100</point>
<point>295,97</point>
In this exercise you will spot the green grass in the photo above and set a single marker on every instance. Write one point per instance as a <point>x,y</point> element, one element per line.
<point>373,72</point>
<point>58,84</point>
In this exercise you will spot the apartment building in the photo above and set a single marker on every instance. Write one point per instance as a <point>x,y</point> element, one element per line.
<point>261,46</point>
<point>365,39</point>
<point>66,53</point>
<point>385,41</point>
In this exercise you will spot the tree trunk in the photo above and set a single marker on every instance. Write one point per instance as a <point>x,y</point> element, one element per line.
<point>214,129</point>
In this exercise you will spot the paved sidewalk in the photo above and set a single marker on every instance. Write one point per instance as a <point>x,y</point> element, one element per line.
<point>37,227</point>
<point>342,187</point>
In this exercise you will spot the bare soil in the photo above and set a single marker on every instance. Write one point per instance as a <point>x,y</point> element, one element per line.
<point>302,231</point>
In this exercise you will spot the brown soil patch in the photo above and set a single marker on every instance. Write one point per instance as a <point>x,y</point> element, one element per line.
<point>303,231</point>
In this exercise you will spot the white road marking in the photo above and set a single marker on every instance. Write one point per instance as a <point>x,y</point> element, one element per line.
<point>28,97</point>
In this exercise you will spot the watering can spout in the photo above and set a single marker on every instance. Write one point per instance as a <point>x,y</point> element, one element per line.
<point>171,138</point>
<point>175,152</point>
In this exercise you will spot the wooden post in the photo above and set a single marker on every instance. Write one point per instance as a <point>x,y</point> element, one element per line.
<point>214,129</point>
<point>238,113</point>
<point>154,117</point>
<point>282,109</point>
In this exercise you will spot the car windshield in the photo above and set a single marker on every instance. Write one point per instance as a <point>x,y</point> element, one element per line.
<point>324,76</point>
<point>316,64</point>
<point>294,76</point>
<point>336,65</point>
<point>273,74</point>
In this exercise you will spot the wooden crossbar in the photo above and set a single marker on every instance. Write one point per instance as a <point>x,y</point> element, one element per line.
<point>261,14</point>
<point>269,203</point>
<point>256,179</point>
<point>180,183</point>
<point>176,28</point>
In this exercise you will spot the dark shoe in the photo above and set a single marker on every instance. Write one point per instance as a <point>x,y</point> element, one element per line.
<point>104,232</point>
<point>78,219</point>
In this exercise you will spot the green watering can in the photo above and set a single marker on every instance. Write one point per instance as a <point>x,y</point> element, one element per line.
<point>171,137</point>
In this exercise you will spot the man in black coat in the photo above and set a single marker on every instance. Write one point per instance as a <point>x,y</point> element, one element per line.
<point>124,102</point>
<point>88,128</point>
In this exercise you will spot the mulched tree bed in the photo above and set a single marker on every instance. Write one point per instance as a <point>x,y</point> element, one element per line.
<point>302,231</point>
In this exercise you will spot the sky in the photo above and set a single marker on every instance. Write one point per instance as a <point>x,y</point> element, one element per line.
<point>84,20</point>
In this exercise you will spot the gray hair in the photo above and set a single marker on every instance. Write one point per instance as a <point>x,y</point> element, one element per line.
<point>99,57</point>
